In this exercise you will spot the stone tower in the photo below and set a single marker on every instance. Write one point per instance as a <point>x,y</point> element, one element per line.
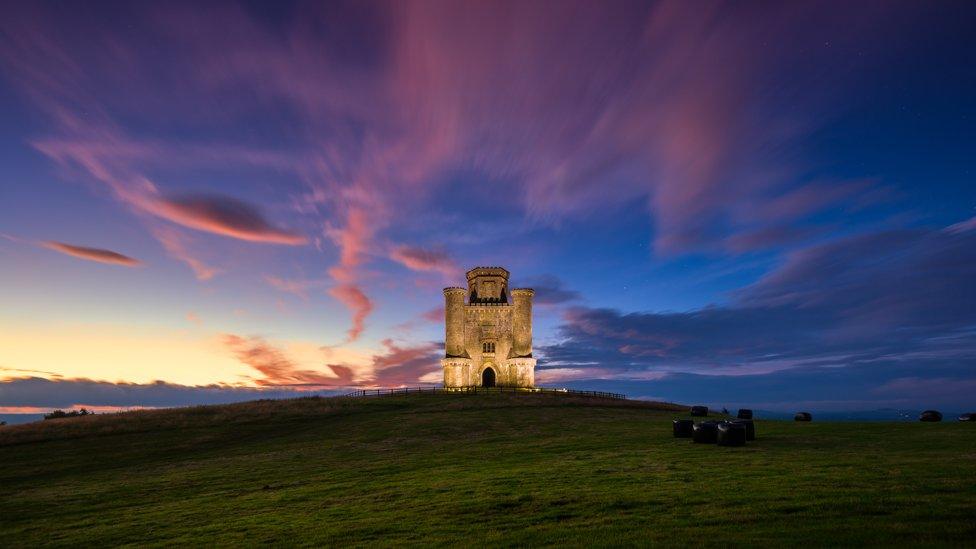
<point>488,338</point>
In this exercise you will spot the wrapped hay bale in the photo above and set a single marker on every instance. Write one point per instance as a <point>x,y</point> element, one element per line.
<point>705,432</point>
<point>683,428</point>
<point>930,416</point>
<point>749,425</point>
<point>803,416</point>
<point>699,411</point>
<point>731,434</point>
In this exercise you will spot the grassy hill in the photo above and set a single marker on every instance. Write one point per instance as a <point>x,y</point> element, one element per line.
<point>466,469</point>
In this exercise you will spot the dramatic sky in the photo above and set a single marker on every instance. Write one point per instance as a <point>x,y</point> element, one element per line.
<point>749,203</point>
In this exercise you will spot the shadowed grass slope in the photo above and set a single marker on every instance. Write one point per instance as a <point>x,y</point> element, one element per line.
<point>464,469</point>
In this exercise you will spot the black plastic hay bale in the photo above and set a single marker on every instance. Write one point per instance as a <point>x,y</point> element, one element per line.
<point>699,411</point>
<point>744,413</point>
<point>705,432</point>
<point>750,427</point>
<point>930,415</point>
<point>803,416</point>
<point>731,434</point>
<point>683,428</point>
<point>971,416</point>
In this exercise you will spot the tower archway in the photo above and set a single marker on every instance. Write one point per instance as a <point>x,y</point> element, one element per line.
<point>488,377</point>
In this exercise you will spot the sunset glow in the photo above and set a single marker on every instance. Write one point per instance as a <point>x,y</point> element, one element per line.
<point>207,203</point>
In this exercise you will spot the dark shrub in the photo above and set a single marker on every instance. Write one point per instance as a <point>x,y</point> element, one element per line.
<point>749,425</point>
<point>731,434</point>
<point>803,416</point>
<point>699,411</point>
<point>971,416</point>
<point>705,432</point>
<point>744,413</point>
<point>930,415</point>
<point>683,428</point>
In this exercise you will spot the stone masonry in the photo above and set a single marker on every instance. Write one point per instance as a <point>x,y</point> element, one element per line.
<point>488,332</point>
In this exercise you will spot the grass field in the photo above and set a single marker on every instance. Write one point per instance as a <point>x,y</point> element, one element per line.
<point>473,470</point>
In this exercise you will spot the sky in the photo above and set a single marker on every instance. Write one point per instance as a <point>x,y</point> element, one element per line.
<point>763,204</point>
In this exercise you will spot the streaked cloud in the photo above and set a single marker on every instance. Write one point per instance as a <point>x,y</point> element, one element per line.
<point>39,393</point>
<point>225,216</point>
<point>177,246</point>
<point>377,136</point>
<point>278,370</point>
<point>405,365</point>
<point>867,301</point>
<point>93,254</point>
<point>298,287</point>
<point>549,290</point>
<point>426,260</point>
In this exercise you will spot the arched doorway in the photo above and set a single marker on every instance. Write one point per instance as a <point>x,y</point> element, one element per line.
<point>488,378</point>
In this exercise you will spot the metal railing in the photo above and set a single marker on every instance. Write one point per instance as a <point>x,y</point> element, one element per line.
<point>482,390</point>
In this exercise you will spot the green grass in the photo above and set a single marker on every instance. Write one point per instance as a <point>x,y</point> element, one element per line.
<point>474,470</point>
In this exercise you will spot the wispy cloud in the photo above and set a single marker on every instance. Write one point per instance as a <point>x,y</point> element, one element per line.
<point>278,370</point>
<point>40,393</point>
<point>93,254</point>
<point>866,301</point>
<point>425,260</point>
<point>549,290</point>
<point>684,108</point>
<point>402,365</point>
<point>225,216</point>
<point>177,245</point>
<point>353,241</point>
<point>298,287</point>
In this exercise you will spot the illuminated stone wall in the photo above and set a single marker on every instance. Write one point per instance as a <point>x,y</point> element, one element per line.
<point>492,330</point>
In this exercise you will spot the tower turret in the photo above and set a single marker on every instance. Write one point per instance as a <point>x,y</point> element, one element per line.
<point>522,322</point>
<point>454,322</point>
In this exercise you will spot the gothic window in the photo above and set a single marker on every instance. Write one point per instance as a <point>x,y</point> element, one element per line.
<point>488,347</point>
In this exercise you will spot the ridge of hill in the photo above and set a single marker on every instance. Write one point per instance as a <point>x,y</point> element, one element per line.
<point>473,470</point>
<point>297,409</point>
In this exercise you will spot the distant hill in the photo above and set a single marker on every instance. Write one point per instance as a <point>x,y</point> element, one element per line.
<point>881,414</point>
<point>476,469</point>
<point>16,419</point>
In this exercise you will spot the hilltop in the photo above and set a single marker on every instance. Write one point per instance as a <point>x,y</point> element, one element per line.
<point>472,469</point>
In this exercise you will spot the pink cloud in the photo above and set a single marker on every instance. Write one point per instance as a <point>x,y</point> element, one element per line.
<point>434,315</point>
<point>176,245</point>
<point>399,366</point>
<point>356,301</point>
<point>224,216</point>
<point>424,260</point>
<point>353,241</point>
<point>297,287</point>
<point>277,369</point>
<point>93,254</point>
<point>675,107</point>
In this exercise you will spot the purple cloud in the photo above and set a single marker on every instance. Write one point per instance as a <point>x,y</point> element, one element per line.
<point>65,393</point>
<point>897,296</point>
<point>93,254</point>
<point>225,216</point>
<point>549,290</point>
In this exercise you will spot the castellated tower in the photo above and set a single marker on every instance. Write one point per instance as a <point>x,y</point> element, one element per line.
<point>488,339</point>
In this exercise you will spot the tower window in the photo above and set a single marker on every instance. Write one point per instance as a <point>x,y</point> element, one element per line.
<point>488,347</point>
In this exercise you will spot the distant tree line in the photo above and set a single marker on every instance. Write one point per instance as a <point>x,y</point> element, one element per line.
<point>58,414</point>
